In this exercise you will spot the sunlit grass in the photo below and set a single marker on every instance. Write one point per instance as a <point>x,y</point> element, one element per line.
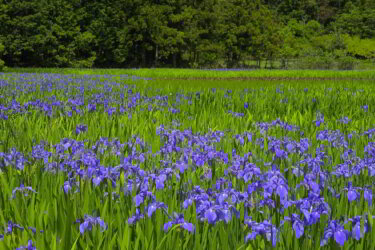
<point>205,109</point>
<point>198,73</point>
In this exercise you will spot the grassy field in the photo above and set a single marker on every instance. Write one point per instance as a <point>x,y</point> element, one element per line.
<point>216,74</point>
<point>99,159</point>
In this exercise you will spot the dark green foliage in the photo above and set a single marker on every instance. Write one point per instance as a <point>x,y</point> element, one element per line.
<point>1,61</point>
<point>186,34</point>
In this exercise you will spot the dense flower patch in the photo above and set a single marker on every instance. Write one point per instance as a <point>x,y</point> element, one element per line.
<point>267,183</point>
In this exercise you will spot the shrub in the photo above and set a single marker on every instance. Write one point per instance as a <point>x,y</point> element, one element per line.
<point>317,62</point>
<point>346,63</point>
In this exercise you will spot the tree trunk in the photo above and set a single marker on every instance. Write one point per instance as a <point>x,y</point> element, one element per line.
<point>156,56</point>
<point>174,60</point>
<point>143,63</point>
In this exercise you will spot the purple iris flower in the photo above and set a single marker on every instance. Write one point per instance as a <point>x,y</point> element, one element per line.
<point>210,215</point>
<point>333,192</point>
<point>23,190</point>
<point>249,136</point>
<point>290,147</point>
<point>280,153</point>
<point>12,225</point>
<point>319,119</point>
<point>312,207</point>
<point>3,116</point>
<point>38,152</point>
<point>353,194</point>
<point>282,190</point>
<point>78,111</point>
<point>345,120</point>
<point>179,219</point>
<point>105,174</point>
<point>89,222</point>
<point>309,182</point>
<point>14,158</point>
<point>240,139</point>
<point>136,217</point>
<point>187,203</point>
<point>160,181</point>
<point>235,114</point>
<point>111,111</point>
<point>248,172</point>
<point>370,149</point>
<point>181,166</point>
<point>47,109</point>
<point>368,195</point>
<point>275,182</point>
<point>139,198</point>
<point>67,187</point>
<point>297,224</point>
<point>264,228</point>
<point>336,231</point>
<point>80,128</point>
<point>155,205</point>
<point>253,187</point>
<point>356,227</point>
<point>365,108</point>
<point>33,229</point>
<point>28,247</point>
<point>91,106</point>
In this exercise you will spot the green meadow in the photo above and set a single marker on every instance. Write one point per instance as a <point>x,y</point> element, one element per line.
<point>186,159</point>
<point>166,73</point>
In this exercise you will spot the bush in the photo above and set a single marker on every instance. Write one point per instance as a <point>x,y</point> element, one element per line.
<point>317,62</point>
<point>85,63</point>
<point>346,63</point>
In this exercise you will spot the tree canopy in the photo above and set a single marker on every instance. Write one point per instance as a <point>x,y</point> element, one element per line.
<point>183,33</point>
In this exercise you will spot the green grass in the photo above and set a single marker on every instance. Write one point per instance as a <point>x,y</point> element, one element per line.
<point>55,212</point>
<point>196,73</point>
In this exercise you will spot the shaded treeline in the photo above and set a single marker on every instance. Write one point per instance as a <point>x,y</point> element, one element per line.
<point>184,33</point>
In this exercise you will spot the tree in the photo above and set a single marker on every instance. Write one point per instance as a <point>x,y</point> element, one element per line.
<point>1,52</point>
<point>206,44</point>
<point>356,21</point>
<point>360,48</point>
<point>236,29</point>
<point>19,31</point>
<point>181,33</point>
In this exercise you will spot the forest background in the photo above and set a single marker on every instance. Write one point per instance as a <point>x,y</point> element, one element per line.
<point>303,34</point>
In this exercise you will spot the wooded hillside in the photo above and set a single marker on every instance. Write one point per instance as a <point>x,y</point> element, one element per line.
<point>186,33</point>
